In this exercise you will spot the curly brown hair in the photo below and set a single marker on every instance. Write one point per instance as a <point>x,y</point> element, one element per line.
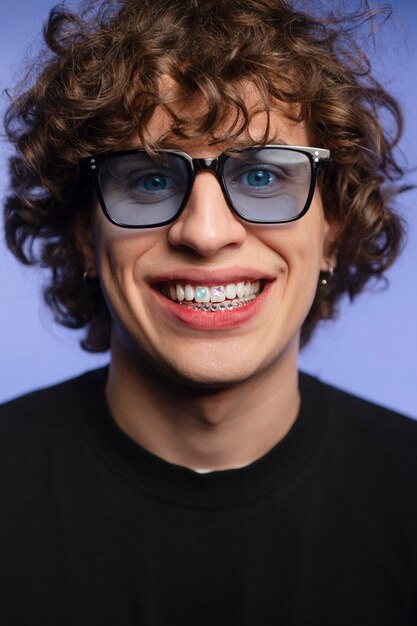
<point>97,83</point>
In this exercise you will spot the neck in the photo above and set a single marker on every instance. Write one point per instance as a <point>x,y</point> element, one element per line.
<point>204,429</point>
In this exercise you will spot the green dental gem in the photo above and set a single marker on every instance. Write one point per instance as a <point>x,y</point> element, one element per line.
<point>201,292</point>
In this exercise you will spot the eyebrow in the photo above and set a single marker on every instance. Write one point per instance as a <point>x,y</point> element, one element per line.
<point>276,141</point>
<point>169,144</point>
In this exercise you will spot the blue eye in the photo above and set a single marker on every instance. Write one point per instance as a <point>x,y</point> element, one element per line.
<point>153,182</point>
<point>154,185</point>
<point>258,178</point>
<point>150,186</point>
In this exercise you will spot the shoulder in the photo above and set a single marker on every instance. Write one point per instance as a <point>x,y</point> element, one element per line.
<point>369,415</point>
<point>48,401</point>
<point>36,418</point>
<point>356,409</point>
<point>367,431</point>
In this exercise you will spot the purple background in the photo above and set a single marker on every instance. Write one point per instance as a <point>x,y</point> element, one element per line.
<point>371,350</point>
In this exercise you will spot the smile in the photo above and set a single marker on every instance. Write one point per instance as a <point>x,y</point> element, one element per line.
<point>212,298</point>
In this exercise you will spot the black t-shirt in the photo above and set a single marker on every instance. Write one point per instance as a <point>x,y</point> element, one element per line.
<point>96,531</point>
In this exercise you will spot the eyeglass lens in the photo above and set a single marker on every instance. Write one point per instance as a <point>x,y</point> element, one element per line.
<point>263,185</point>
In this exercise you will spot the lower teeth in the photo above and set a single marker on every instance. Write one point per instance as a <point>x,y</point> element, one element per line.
<point>223,306</point>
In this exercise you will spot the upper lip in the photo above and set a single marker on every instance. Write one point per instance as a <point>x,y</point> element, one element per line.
<point>211,277</point>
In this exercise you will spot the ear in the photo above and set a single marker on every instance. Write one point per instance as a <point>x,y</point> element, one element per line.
<point>330,243</point>
<point>84,243</point>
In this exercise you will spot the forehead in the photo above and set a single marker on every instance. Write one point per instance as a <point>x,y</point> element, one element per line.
<point>267,123</point>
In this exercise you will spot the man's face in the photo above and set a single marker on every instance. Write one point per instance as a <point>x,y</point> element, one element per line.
<point>143,272</point>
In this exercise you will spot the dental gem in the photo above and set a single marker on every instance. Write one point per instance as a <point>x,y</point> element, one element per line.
<point>202,294</point>
<point>230,292</point>
<point>247,289</point>
<point>217,294</point>
<point>180,293</point>
<point>240,290</point>
<point>189,292</point>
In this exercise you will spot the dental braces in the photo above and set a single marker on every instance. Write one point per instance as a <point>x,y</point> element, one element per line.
<point>218,306</point>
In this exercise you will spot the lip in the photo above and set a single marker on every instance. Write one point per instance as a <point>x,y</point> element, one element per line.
<point>210,277</point>
<point>211,321</point>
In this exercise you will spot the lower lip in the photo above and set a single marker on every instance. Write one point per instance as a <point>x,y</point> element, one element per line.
<point>209,320</point>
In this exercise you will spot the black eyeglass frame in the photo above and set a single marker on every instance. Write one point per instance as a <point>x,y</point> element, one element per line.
<point>316,156</point>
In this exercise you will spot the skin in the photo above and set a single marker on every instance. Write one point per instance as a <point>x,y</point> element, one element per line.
<point>208,399</point>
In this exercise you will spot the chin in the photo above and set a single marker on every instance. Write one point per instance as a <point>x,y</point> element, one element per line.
<point>209,376</point>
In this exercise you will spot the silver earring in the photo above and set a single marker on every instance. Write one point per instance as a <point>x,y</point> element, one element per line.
<point>92,282</point>
<point>326,279</point>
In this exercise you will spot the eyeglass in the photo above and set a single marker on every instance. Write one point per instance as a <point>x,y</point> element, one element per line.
<point>269,184</point>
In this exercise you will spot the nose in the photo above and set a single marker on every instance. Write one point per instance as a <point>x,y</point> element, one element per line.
<point>207,224</point>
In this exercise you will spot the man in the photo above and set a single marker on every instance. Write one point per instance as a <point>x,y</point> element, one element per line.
<point>174,159</point>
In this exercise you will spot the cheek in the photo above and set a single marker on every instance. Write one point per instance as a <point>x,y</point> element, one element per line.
<point>117,244</point>
<point>120,251</point>
<point>299,246</point>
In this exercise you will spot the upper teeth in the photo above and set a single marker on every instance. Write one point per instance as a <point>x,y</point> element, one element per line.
<point>215,293</point>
